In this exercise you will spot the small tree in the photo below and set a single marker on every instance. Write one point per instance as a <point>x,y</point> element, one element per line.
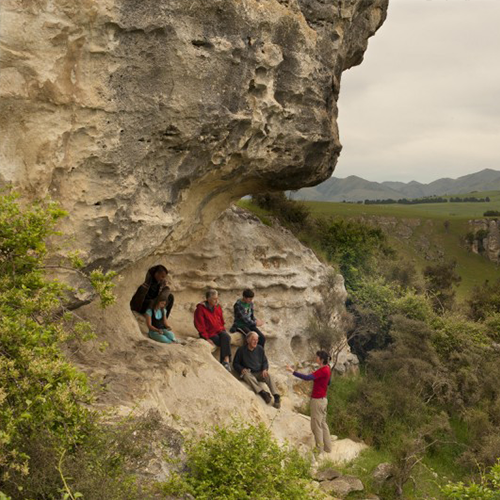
<point>41,393</point>
<point>440,282</point>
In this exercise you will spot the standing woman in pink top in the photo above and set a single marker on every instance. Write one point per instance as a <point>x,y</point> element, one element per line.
<point>321,380</point>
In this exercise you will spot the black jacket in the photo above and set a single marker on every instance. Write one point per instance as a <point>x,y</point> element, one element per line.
<point>255,360</point>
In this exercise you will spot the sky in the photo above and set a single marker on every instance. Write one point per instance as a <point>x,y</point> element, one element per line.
<point>425,102</point>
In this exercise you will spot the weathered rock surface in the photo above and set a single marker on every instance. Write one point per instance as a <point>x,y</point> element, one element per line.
<point>186,383</point>
<point>327,475</point>
<point>342,486</point>
<point>486,238</point>
<point>382,473</point>
<point>146,119</point>
<point>345,450</point>
<point>238,252</point>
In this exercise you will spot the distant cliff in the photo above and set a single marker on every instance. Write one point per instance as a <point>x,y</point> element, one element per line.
<point>484,238</point>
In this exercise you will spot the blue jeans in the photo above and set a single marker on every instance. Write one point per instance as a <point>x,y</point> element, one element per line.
<point>165,337</point>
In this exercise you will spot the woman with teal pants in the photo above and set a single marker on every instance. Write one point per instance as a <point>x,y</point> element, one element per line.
<point>156,319</point>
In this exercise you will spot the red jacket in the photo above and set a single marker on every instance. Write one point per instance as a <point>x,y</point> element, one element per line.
<point>207,322</point>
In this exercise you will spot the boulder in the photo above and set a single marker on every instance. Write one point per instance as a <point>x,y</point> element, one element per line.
<point>327,474</point>
<point>147,119</point>
<point>382,473</point>
<point>344,450</point>
<point>342,486</point>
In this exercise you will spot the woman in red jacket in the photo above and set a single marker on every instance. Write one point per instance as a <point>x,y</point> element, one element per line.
<point>321,380</point>
<point>209,322</point>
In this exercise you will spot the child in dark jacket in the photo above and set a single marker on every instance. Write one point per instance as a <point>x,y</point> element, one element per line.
<point>244,317</point>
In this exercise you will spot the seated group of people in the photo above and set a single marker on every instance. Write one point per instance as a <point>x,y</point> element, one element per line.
<point>154,300</point>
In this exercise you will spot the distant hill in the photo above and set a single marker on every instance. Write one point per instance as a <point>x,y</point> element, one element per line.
<point>355,188</point>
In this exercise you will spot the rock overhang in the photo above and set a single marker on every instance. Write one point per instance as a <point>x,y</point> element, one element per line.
<point>147,119</point>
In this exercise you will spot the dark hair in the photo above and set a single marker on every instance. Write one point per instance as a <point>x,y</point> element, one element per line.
<point>157,300</point>
<point>157,268</point>
<point>324,356</point>
<point>248,293</point>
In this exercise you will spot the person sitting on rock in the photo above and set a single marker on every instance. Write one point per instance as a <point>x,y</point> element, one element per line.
<point>156,319</point>
<point>209,321</point>
<point>251,363</point>
<point>244,317</point>
<point>321,380</point>
<point>154,284</point>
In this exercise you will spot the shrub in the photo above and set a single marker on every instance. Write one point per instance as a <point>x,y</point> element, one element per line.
<point>414,306</point>
<point>440,280</point>
<point>243,462</point>
<point>352,245</point>
<point>44,421</point>
<point>488,487</point>
<point>288,211</point>
<point>491,213</point>
<point>484,300</point>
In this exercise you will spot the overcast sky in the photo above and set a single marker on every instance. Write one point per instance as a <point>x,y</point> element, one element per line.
<point>425,103</point>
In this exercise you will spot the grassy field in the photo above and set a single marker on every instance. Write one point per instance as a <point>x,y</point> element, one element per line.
<point>438,211</point>
<point>446,241</point>
<point>473,269</point>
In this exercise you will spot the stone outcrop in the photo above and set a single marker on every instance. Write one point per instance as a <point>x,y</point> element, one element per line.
<point>342,486</point>
<point>186,383</point>
<point>484,238</point>
<point>146,119</point>
<point>238,252</point>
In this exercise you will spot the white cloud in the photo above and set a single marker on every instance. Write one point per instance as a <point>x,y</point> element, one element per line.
<point>425,102</point>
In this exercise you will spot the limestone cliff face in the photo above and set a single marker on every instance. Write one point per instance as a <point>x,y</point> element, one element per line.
<point>146,119</point>
<point>187,384</point>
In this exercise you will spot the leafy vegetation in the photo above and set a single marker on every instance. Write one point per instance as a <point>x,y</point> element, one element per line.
<point>487,488</point>
<point>51,444</point>
<point>242,462</point>
<point>426,397</point>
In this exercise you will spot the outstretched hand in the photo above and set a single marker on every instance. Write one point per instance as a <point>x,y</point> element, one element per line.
<point>289,369</point>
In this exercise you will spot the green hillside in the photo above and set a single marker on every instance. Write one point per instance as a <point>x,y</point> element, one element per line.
<point>473,269</point>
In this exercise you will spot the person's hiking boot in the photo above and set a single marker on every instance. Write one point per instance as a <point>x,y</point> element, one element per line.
<point>227,366</point>
<point>277,401</point>
<point>265,396</point>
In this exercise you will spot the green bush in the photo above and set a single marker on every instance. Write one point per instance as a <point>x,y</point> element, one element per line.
<point>46,428</point>
<point>352,245</point>
<point>440,281</point>
<point>243,463</point>
<point>414,306</point>
<point>484,300</point>
<point>289,212</point>
<point>488,487</point>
